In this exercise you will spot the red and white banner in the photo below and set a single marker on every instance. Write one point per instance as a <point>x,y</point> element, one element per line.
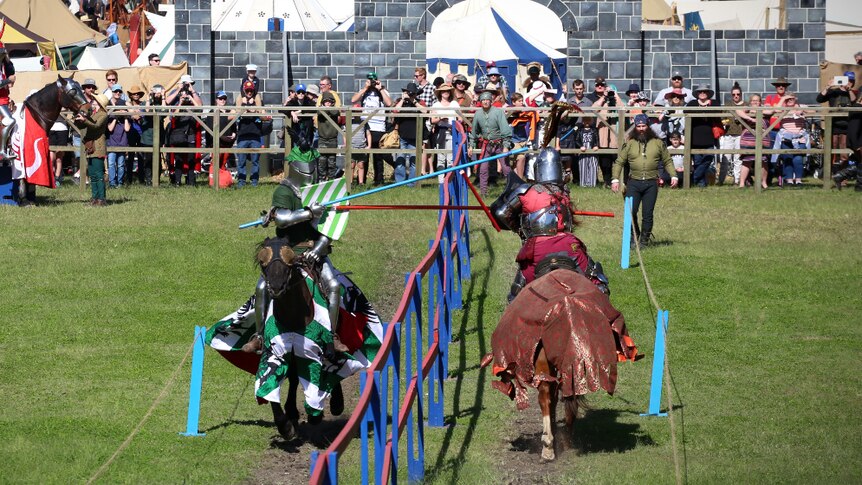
<point>31,144</point>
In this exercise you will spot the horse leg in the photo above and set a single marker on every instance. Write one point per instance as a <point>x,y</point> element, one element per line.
<point>546,390</point>
<point>284,426</point>
<point>336,400</point>
<point>290,405</point>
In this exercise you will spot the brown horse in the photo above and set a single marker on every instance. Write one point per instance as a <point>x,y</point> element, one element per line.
<point>562,336</point>
<point>293,309</point>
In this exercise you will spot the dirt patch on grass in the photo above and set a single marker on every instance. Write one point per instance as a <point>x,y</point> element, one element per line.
<point>288,462</point>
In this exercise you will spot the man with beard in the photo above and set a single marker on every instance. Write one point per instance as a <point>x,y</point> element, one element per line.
<point>642,152</point>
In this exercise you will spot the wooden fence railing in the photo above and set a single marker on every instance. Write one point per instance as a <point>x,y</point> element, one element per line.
<point>209,117</point>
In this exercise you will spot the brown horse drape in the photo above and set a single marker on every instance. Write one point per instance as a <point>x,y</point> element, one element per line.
<point>582,333</point>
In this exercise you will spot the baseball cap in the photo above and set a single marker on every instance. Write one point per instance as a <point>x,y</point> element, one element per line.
<point>117,87</point>
<point>221,94</point>
<point>676,75</point>
<point>251,67</point>
<point>850,75</point>
<point>186,78</point>
<point>372,75</point>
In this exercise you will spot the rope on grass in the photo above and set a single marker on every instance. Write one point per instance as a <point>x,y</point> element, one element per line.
<point>149,412</point>
<point>651,294</point>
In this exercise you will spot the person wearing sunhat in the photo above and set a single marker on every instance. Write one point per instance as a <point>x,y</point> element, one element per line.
<point>839,96</point>
<point>632,93</point>
<point>461,92</point>
<point>702,134</point>
<point>444,112</point>
<point>94,146</point>
<point>493,75</point>
<point>643,153</point>
<point>372,96</point>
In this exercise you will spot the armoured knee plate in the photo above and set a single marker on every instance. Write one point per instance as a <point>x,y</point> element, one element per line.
<point>7,124</point>
<point>260,304</point>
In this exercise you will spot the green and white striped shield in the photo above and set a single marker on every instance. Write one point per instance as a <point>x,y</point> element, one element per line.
<point>331,223</point>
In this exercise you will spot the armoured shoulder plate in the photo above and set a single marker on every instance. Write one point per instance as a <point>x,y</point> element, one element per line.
<point>507,208</point>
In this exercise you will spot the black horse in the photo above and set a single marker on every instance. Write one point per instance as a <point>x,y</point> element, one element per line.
<point>45,106</point>
<point>293,308</point>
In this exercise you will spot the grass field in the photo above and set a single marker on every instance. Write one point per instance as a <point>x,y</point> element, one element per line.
<point>98,307</point>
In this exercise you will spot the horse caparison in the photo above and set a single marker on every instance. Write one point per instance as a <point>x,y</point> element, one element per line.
<point>281,269</point>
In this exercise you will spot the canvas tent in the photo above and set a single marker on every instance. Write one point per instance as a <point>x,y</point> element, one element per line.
<point>714,14</point>
<point>297,15</point>
<point>503,31</point>
<point>843,30</point>
<point>162,42</point>
<point>51,20</point>
<point>145,77</point>
<point>103,58</point>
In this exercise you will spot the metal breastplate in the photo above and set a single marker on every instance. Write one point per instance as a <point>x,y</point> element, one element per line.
<point>546,222</point>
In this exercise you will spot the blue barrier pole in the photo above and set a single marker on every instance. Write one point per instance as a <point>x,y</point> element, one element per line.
<point>658,365</point>
<point>627,234</point>
<point>363,430</point>
<point>195,384</point>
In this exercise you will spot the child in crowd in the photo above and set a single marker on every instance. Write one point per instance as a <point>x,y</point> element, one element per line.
<point>587,138</point>
<point>523,125</point>
<point>678,160</point>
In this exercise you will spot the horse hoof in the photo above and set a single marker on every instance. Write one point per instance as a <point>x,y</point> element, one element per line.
<point>548,455</point>
<point>287,429</point>
<point>336,401</point>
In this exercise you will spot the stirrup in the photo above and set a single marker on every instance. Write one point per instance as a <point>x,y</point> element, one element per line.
<point>253,346</point>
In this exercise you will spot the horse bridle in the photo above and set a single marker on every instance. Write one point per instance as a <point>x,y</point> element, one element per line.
<point>275,247</point>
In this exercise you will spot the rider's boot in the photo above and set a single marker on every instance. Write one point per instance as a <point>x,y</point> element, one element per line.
<point>517,286</point>
<point>645,239</point>
<point>255,345</point>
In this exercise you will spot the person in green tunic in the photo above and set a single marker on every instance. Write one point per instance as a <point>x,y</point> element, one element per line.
<point>642,152</point>
<point>297,224</point>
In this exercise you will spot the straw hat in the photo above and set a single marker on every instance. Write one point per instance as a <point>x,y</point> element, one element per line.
<point>781,81</point>
<point>703,88</point>
<point>135,90</point>
<point>101,99</point>
<point>443,87</point>
<point>674,93</point>
<point>460,78</point>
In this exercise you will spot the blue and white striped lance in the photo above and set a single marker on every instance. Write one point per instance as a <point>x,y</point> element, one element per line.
<point>331,224</point>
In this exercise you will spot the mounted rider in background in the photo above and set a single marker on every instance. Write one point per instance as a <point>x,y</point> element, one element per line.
<point>541,212</point>
<point>298,225</point>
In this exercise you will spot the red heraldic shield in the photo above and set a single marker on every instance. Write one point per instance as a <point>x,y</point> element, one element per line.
<point>34,152</point>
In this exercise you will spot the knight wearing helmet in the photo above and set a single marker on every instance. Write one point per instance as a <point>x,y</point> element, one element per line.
<point>299,225</point>
<point>7,121</point>
<point>541,212</point>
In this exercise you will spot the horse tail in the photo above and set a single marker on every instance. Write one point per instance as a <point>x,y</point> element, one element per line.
<point>576,405</point>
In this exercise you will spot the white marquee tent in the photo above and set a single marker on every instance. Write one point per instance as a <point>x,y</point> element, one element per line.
<point>297,15</point>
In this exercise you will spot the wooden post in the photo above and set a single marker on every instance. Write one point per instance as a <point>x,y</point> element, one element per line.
<point>420,126</point>
<point>348,149</point>
<point>758,153</point>
<point>215,164</point>
<point>827,152</point>
<point>157,153</point>
<point>686,153</point>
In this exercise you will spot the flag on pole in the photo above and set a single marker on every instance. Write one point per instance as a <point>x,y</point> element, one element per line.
<point>331,224</point>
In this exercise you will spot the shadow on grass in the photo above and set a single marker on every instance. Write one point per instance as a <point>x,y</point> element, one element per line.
<point>472,412</point>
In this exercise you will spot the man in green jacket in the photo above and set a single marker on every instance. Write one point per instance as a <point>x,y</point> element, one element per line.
<point>494,136</point>
<point>94,146</point>
<point>642,153</point>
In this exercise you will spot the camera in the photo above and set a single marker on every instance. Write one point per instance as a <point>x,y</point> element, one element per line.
<point>612,98</point>
<point>842,80</point>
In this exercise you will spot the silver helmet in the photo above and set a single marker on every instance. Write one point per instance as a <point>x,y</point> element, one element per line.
<point>301,173</point>
<point>549,168</point>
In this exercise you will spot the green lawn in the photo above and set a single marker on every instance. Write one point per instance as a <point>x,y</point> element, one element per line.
<point>99,304</point>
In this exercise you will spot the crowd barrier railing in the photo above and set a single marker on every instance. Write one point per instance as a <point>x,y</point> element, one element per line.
<point>422,338</point>
<point>209,118</point>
